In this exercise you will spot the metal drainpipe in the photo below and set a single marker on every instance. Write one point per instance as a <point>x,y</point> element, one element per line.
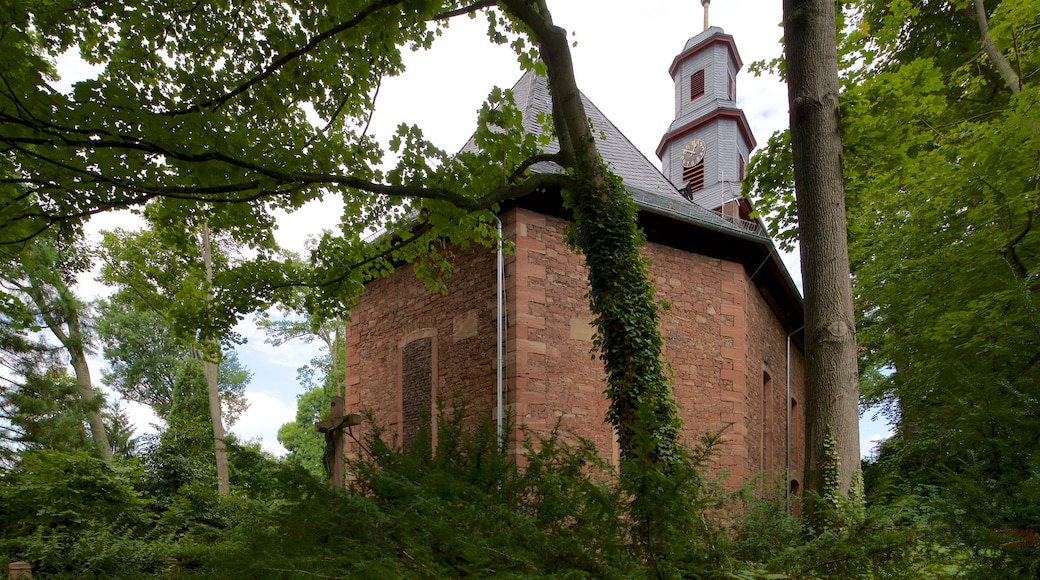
<point>500,361</point>
<point>787,486</point>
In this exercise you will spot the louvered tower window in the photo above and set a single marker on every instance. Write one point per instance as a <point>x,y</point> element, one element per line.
<point>693,177</point>
<point>696,84</point>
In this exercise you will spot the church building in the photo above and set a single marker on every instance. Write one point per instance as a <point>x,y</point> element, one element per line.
<point>514,335</point>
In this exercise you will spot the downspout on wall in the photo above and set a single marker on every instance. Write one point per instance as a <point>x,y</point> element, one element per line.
<point>500,360</point>
<point>787,487</point>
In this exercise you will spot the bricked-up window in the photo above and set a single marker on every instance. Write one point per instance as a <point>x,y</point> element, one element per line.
<point>694,176</point>
<point>416,388</point>
<point>696,84</point>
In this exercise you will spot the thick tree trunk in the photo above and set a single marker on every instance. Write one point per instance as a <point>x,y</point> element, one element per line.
<point>64,311</point>
<point>211,371</point>
<point>832,383</point>
<point>86,389</point>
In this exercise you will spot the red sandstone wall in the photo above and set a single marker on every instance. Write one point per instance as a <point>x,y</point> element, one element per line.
<point>767,353</point>
<point>553,377</point>
<point>719,337</point>
<point>400,308</point>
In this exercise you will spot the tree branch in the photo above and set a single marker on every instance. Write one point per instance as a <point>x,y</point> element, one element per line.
<point>998,58</point>
<point>285,59</point>
<point>1010,253</point>
<point>530,161</point>
<point>466,9</point>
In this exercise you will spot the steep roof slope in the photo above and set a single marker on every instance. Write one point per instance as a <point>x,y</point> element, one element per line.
<point>649,188</point>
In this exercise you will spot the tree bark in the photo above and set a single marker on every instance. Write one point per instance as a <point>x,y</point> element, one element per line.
<point>832,382</point>
<point>86,388</point>
<point>211,372</point>
<point>73,342</point>
<point>999,61</point>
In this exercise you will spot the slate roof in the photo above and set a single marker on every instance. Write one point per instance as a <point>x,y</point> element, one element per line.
<point>650,189</point>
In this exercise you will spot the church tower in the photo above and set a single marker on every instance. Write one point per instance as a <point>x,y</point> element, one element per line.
<point>707,146</point>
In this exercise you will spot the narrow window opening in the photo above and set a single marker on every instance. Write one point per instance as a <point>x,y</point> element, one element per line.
<point>697,84</point>
<point>767,389</point>
<point>740,167</point>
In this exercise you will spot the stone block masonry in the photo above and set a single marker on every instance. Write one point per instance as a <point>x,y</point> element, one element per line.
<point>724,347</point>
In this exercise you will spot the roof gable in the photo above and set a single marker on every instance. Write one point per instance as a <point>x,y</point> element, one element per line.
<point>650,189</point>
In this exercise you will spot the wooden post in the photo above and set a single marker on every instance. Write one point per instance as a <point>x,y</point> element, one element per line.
<point>19,571</point>
<point>336,412</point>
<point>171,568</point>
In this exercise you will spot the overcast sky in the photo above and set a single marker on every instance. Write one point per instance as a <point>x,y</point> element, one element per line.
<point>621,61</point>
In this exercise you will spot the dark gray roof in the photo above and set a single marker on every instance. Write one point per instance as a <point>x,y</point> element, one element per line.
<point>650,189</point>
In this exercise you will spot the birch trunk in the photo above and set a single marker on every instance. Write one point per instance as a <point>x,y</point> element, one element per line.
<point>211,372</point>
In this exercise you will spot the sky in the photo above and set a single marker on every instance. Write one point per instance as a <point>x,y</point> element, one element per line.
<point>621,60</point>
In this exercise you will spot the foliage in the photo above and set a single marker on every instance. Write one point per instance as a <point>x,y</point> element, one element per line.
<point>459,508</point>
<point>144,360</point>
<point>72,515</point>
<point>942,182</point>
<point>878,542</point>
<point>305,445</point>
<point>463,509</point>
<point>120,431</point>
<point>41,406</point>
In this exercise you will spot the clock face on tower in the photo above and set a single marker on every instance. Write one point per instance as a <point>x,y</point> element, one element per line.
<point>692,153</point>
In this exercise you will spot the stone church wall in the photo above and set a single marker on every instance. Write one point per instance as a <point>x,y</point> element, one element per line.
<point>719,339</point>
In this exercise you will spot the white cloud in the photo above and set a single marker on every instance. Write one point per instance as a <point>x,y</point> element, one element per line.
<point>262,420</point>
<point>292,354</point>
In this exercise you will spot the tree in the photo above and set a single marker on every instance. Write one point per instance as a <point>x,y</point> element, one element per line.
<point>41,275</point>
<point>832,385</point>
<point>941,181</point>
<point>945,256</point>
<point>40,405</point>
<point>144,359</point>
<point>207,125</point>
<point>169,282</point>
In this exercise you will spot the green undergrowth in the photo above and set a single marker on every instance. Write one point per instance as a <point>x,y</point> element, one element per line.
<point>451,508</point>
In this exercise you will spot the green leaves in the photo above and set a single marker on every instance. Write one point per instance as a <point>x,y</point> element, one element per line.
<point>941,177</point>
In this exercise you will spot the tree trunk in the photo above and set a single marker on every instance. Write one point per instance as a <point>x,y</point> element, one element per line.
<point>86,388</point>
<point>1007,72</point>
<point>211,371</point>
<point>621,295</point>
<point>832,382</point>
<point>64,310</point>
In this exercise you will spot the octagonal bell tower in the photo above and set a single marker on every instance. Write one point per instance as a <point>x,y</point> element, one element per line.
<point>706,148</point>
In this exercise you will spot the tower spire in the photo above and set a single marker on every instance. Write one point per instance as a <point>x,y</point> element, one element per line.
<point>705,4</point>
